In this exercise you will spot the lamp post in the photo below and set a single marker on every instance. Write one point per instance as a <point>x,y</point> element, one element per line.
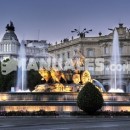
<point>111,29</point>
<point>82,33</point>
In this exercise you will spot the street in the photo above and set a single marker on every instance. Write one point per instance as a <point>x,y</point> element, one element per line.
<point>64,123</point>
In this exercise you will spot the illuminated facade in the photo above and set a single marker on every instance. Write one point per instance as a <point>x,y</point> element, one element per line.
<point>97,47</point>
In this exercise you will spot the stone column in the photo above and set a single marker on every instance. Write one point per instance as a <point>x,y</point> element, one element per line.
<point>7,47</point>
<point>10,47</point>
<point>2,47</point>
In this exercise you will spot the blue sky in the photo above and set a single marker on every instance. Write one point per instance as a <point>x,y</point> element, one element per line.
<point>54,19</point>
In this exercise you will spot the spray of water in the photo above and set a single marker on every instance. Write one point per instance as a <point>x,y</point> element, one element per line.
<point>116,75</point>
<point>21,74</point>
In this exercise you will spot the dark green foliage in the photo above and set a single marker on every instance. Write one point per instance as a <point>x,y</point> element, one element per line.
<point>27,113</point>
<point>102,113</point>
<point>7,81</point>
<point>90,99</point>
<point>33,79</point>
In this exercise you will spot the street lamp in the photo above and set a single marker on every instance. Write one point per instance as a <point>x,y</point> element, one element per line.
<point>110,29</point>
<point>82,33</point>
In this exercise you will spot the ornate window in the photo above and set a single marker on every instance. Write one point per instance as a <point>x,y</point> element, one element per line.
<point>90,52</point>
<point>4,47</point>
<point>106,50</point>
<point>121,49</point>
<point>63,56</point>
<point>68,54</point>
<point>106,69</point>
<point>58,56</point>
<point>75,52</point>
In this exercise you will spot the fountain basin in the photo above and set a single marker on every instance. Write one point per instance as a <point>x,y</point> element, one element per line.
<point>58,101</point>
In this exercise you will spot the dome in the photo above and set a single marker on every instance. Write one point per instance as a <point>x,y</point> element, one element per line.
<point>10,34</point>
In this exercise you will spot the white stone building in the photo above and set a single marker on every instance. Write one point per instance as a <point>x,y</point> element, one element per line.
<point>9,46</point>
<point>98,47</point>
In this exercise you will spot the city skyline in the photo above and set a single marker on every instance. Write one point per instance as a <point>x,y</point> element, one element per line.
<point>54,20</point>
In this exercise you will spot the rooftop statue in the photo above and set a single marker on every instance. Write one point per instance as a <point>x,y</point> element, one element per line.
<point>10,27</point>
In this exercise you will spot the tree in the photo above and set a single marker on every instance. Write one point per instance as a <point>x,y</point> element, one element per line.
<point>33,79</point>
<point>7,81</point>
<point>90,99</point>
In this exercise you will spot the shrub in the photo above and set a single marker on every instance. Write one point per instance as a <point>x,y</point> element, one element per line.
<point>90,99</point>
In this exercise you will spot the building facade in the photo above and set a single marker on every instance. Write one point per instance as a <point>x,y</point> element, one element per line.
<point>10,45</point>
<point>98,47</point>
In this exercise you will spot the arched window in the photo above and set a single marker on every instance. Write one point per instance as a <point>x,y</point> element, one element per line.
<point>75,52</point>
<point>121,49</point>
<point>58,56</point>
<point>106,69</point>
<point>7,47</point>
<point>63,56</point>
<point>90,52</point>
<point>68,54</point>
<point>4,47</point>
<point>106,50</point>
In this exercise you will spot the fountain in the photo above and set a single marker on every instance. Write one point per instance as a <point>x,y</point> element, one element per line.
<point>58,81</point>
<point>21,74</point>
<point>58,92</point>
<point>57,96</point>
<point>115,61</point>
<point>54,95</point>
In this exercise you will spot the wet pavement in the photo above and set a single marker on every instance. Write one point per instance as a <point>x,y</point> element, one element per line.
<point>64,123</point>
